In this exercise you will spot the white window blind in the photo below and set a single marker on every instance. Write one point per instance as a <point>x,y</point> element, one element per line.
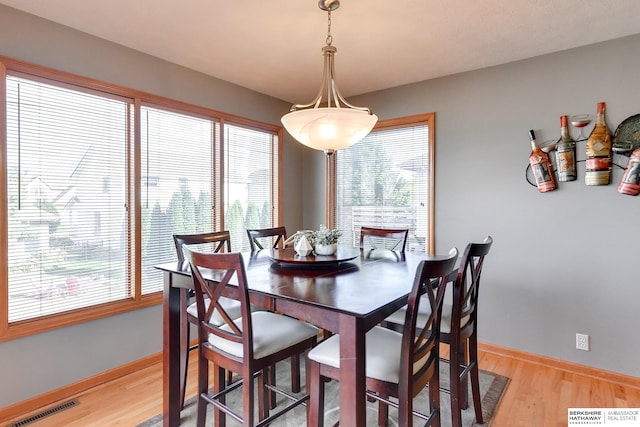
<point>176,185</point>
<point>67,178</point>
<point>384,181</point>
<point>99,178</point>
<point>250,182</point>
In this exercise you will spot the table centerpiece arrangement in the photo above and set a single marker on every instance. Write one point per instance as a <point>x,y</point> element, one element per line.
<point>325,241</point>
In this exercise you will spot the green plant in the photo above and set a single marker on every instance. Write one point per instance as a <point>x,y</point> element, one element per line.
<point>324,236</point>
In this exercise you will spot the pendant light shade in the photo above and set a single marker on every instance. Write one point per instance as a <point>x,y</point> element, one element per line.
<point>329,128</point>
<point>328,122</point>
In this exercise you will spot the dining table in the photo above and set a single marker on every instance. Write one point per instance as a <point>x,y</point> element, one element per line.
<point>347,294</point>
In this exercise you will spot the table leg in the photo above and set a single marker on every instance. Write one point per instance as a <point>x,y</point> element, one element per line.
<point>184,343</point>
<point>352,372</point>
<point>171,381</point>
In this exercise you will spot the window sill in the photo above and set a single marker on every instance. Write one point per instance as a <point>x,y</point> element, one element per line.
<point>61,320</point>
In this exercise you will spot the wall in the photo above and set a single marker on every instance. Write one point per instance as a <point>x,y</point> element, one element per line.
<point>40,363</point>
<point>562,262</point>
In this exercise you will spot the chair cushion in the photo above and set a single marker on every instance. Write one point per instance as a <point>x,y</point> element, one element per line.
<point>382,354</point>
<point>231,306</point>
<point>424,311</point>
<point>271,333</point>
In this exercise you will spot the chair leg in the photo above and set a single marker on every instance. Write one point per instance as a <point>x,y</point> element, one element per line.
<point>219,384</point>
<point>295,373</point>
<point>475,378</point>
<point>264,399</point>
<point>405,413</point>
<point>315,387</point>
<point>434,400</point>
<point>271,379</point>
<point>454,381</point>
<point>203,385</point>
<point>383,413</point>
<point>464,381</point>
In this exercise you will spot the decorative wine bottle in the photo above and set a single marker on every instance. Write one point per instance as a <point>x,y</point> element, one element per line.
<point>566,153</point>
<point>541,166</point>
<point>598,169</point>
<point>630,183</point>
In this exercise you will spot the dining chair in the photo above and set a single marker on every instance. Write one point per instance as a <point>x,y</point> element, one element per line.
<point>459,329</point>
<point>257,234</point>
<point>212,242</point>
<point>280,235</point>
<point>391,239</point>
<point>215,242</point>
<point>250,345</point>
<point>398,364</point>
<point>462,334</point>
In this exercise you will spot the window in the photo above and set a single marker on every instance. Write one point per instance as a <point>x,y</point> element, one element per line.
<point>250,199</point>
<point>66,238</point>
<point>386,181</point>
<point>177,184</point>
<point>99,177</point>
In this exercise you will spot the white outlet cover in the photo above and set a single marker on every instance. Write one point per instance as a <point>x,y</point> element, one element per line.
<point>582,342</point>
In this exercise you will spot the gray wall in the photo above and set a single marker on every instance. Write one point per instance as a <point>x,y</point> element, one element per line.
<point>562,262</point>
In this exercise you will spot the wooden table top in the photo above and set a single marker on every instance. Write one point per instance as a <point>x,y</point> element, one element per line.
<point>359,286</point>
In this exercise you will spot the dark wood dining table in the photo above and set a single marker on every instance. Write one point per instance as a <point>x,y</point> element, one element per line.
<point>347,298</point>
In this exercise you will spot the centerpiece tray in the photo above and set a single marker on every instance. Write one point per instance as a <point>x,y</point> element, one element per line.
<point>288,256</point>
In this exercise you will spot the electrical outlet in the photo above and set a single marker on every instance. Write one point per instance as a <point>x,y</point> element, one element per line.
<point>582,342</point>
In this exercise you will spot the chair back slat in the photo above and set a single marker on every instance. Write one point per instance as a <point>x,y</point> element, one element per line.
<point>211,242</point>
<point>396,238</point>
<point>255,235</point>
<point>213,274</point>
<point>467,285</point>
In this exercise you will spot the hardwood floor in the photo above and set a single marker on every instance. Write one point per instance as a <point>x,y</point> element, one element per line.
<point>538,395</point>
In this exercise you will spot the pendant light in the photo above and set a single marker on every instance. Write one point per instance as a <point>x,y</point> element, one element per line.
<point>328,122</point>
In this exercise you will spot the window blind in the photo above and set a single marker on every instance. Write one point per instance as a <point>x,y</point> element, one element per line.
<point>176,184</point>
<point>67,181</point>
<point>384,181</point>
<point>250,177</point>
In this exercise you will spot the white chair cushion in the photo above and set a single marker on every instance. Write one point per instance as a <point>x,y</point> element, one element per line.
<point>271,333</point>
<point>382,354</point>
<point>424,311</point>
<point>231,306</point>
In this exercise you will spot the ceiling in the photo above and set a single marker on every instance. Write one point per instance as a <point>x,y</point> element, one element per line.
<point>274,47</point>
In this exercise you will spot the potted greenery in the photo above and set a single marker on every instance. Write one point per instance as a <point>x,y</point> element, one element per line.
<point>325,241</point>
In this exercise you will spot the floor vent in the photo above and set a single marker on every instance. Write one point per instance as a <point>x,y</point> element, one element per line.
<point>45,413</point>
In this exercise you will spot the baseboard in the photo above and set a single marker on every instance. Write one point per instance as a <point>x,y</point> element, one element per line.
<point>68,391</point>
<point>574,368</point>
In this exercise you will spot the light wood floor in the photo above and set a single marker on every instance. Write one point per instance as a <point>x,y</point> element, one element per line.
<point>537,395</point>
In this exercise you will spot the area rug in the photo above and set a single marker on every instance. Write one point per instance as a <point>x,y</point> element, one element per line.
<point>492,388</point>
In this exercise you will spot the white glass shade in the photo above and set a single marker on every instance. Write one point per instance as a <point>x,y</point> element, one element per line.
<point>329,128</point>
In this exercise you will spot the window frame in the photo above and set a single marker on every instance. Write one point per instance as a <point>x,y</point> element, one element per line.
<point>276,174</point>
<point>426,119</point>
<point>10,66</point>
